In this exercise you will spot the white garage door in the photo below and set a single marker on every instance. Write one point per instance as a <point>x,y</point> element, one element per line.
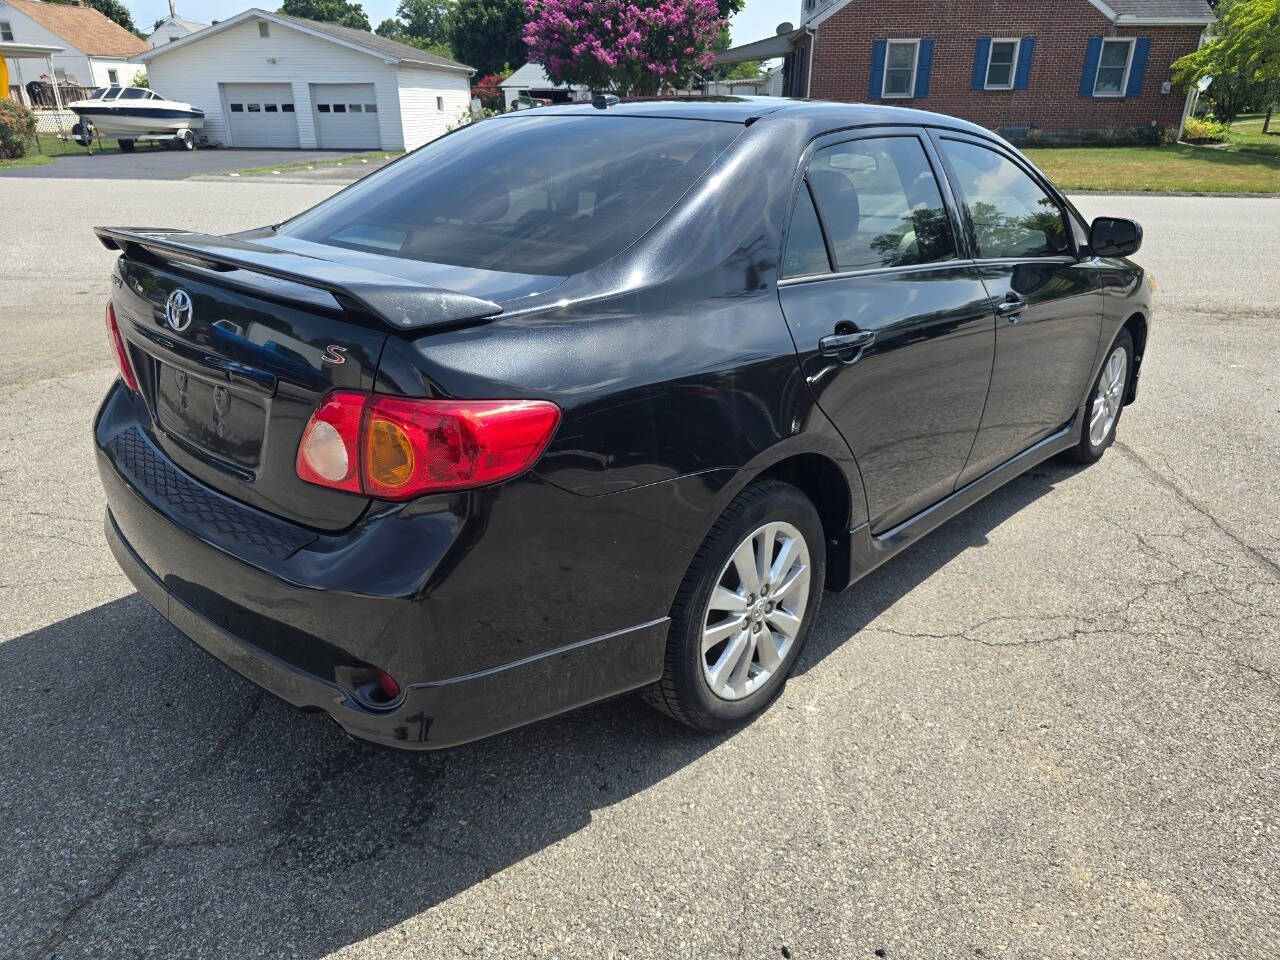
<point>260,114</point>
<point>346,115</point>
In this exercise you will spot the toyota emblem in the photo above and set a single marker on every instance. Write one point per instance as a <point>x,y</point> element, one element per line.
<point>177,310</point>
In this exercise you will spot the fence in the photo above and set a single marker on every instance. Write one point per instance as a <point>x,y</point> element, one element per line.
<point>39,94</point>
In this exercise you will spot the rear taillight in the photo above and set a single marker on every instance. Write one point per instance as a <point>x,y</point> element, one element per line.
<point>395,448</point>
<point>117,344</point>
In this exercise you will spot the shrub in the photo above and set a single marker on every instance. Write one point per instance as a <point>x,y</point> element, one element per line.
<point>1203,130</point>
<point>17,130</point>
<point>487,89</point>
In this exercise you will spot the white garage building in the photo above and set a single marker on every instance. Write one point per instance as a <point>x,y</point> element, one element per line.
<point>268,80</point>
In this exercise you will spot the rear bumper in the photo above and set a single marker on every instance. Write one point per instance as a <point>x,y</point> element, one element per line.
<point>430,716</point>
<point>299,614</point>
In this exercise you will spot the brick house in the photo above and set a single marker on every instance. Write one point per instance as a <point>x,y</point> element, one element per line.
<point>1058,66</point>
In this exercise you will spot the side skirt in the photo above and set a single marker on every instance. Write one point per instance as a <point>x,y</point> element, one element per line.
<point>868,551</point>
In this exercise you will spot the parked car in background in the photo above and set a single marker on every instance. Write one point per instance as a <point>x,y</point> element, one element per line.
<point>592,399</point>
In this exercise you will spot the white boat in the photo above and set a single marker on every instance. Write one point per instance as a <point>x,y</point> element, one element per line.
<point>135,113</point>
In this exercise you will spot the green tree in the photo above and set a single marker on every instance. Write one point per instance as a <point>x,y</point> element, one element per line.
<point>140,79</point>
<point>112,10</point>
<point>486,34</point>
<point>743,70</point>
<point>425,20</point>
<point>341,12</point>
<point>1243,58</point>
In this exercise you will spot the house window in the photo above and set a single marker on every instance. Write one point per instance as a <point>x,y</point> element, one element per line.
<point>1000,65</point>
<point>113,77</point>
<point>339,108</point>
<point>264,28</point>
<point>440,104</point>
<point>900,68</point>
<point>354,108</point>
<point>287,107</point>
<point>322,107</point>
<point>237,107</point>
<point>1113,68</point>
<point>271,107</point>
<point>370,108</point>
<point>174,39</point>
<point>6,31</point>
<point>255,108</point>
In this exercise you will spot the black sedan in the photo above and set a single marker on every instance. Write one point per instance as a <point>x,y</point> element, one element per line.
<point>593,399</point>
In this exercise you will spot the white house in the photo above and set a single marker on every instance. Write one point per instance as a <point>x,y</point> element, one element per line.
<point>531,80</point>
<point>95,50</point>
<point>268,80</point>
<point>173,27</point>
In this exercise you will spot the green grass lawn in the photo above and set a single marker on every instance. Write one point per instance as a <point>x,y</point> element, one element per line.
<point>1249,163</point>
<point>51,146</point>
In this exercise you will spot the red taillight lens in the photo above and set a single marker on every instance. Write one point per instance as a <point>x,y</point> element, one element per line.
<point>395,448</point>
<point>117,344</point>
<point>329,454</point>
<point>387,684</point>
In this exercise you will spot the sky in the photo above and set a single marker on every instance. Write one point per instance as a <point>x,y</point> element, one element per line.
<point>758,19</point>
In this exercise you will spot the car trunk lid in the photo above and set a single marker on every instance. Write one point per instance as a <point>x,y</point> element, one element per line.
<point>235,342</point>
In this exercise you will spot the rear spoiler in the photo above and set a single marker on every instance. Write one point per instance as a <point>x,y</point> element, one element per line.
<point>400,303</point>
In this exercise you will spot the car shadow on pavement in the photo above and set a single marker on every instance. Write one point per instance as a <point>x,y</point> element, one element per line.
<point>150,799</point>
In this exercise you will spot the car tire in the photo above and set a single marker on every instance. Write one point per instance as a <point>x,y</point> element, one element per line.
<point>126,146</point>
<point>767,518</point>
<point>1105,403</point>
<point>81,134</point>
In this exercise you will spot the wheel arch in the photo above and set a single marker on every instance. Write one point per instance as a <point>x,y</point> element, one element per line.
<point>823,469</point>
<point>1137,327</point>
<point>825,484</point>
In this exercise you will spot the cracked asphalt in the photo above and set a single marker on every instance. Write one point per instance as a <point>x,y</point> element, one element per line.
<point>1048,730</point>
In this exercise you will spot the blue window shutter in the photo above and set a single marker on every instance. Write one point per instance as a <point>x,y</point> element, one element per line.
<point>877,68</point>
<point>924,66</point>
<point>1138,68</point>
<point>980,60</point>
<point>1091,56</point>
<point>1022,76</point>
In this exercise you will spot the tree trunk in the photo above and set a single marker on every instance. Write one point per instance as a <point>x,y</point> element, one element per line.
<point>1266,124</point>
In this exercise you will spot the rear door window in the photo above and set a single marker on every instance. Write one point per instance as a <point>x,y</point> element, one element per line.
<point>880,204</point>
<point>525,194</point>
<point>806,250</point>
<point>1012,216</point>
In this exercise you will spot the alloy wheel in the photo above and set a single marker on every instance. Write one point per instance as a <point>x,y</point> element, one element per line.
<point>755,611</point>
<point>1110,396</point>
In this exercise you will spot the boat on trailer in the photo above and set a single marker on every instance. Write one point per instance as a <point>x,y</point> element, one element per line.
<point>129,114</point>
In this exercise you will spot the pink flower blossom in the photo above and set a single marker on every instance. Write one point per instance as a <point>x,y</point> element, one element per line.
<point>632,46</point>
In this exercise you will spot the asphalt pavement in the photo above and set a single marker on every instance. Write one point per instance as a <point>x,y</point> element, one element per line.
<point>1048,730</point>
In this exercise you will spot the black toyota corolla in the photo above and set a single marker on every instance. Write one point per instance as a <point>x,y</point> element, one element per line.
<point>593,399</point>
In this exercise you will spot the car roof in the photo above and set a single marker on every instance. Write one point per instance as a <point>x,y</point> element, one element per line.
<point>751,109</point>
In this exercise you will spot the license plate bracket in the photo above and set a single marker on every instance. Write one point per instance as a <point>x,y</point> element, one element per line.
<point>212,415</point>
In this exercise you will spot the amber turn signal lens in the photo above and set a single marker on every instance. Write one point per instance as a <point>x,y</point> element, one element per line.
<point>388,454</point>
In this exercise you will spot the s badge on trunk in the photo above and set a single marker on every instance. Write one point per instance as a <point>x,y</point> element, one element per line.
<point>178,310</point>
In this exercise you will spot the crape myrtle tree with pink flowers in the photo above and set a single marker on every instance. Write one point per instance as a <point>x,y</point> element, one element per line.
<point>632,47</point>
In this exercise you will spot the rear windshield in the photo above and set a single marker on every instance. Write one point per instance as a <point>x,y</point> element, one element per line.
<point>525,194</point>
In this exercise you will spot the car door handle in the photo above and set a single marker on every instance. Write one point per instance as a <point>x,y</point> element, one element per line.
<point>844,342</point>
<point>1011,308</point>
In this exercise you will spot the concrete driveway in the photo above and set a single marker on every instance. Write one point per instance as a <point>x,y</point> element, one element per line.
<point>1051,729</point>
<point>156,163</point>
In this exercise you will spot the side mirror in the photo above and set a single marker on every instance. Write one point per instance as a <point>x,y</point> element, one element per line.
<point>1115,237</point>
